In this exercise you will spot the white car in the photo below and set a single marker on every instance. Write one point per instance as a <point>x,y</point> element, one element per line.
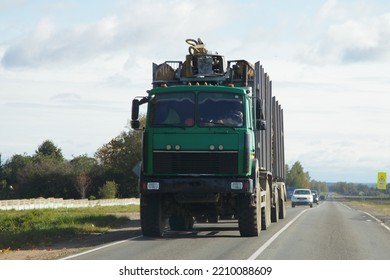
<point>302,197</point>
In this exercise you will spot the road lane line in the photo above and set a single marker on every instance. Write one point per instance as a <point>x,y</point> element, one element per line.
<point>376,219</point>
<point>368,214</point>
<point>99,248</point>
<point>272,239</point>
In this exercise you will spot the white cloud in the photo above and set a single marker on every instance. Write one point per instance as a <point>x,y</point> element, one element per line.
<point>8,4</point>
<point>50,46</point>
<point>353,40</point>
<point>328,9</point>
<point>138,29</point>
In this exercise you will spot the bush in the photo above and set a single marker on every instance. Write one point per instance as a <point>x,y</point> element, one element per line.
<point>108,190</point>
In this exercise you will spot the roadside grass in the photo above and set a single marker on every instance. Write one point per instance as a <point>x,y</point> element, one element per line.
<point>378,207</point>
<point>42,227</point>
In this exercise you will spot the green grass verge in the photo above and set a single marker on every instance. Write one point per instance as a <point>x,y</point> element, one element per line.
<point>374,206</point>
<point>30,228</point>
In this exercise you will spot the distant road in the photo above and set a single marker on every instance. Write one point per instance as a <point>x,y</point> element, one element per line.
<point>329,231</point>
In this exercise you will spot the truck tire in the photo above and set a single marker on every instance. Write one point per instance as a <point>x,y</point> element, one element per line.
<point>282,208</point>
<point>275,209</point>
<point>152,219</point>
<point>249,212</point>
<point>249,219</point>
<point>282,203</point>
<point>266,211</point>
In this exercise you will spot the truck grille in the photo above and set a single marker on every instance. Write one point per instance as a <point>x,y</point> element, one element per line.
<point>195,162</point>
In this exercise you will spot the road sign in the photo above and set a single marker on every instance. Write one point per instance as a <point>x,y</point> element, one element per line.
<point>381,185</point>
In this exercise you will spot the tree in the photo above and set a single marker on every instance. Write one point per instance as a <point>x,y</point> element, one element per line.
<point>82,184</point>
<point>45,174</point>
<point>1,168</point>
<point>83,164</point>
<point>83,169</point>
<point>46,177</point>
<point>119,157</point>
<point>11,170</point>
<point>296,177</point>
<point>48,149</point>
<point>5,191</point>
<point>109,190</point>
<point>321,187</point>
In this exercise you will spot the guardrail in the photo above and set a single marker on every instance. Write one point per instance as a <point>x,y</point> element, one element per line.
<point>52,203</point>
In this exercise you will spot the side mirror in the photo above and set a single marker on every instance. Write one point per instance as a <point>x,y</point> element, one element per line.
<point>135,110</point>
<point>259,109</point>
<point>134,123</point>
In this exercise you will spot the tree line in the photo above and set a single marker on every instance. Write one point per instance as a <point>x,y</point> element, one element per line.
<point>298,178</point>
<point>47,173</point>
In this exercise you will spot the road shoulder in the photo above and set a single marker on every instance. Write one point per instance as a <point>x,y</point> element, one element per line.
<point>74,246</point>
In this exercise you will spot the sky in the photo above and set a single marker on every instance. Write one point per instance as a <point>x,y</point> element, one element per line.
<point>69,70</point>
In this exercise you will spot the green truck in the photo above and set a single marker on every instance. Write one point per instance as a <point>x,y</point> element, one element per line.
<point>212,145</point>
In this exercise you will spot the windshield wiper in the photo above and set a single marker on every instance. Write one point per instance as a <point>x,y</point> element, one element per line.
<point>216,123</point>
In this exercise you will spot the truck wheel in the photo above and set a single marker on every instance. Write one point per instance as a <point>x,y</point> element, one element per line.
<point>275,210</point>
<point>191,222</point>
<point>249,220</point>
<point>282,202</point>
<point>152,219</point>
<point>282,209</point>
<point>266,211</point>
<point>293,205</point>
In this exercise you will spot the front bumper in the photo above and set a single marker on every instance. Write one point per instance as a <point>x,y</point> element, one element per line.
<point>301,201</point>
<point>149,185</point>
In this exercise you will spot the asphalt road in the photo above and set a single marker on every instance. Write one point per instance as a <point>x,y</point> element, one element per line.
<point>328,231</point>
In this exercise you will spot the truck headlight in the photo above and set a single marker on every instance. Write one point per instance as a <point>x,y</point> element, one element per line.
<point>236,185</point>
<point>153,186</point>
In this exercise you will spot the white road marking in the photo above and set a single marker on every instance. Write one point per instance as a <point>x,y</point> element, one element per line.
<point>101,247</point>
<point>272,239</point>
<point>368,214</point>
<point>376,219</point>
<point>252,257</point>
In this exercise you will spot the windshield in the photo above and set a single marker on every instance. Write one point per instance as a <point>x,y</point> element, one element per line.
<point>302,192</point>
<point>214,109</point>
<point>220,109</point>
<point>176,109</point>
